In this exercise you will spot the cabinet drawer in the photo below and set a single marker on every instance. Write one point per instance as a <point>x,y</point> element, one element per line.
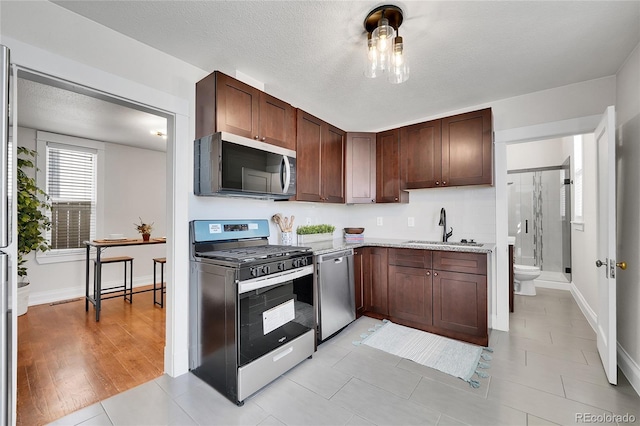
<point>470,263</point>
<point>410,257</point>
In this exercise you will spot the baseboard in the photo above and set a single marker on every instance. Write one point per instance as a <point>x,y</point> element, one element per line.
<point>556,285</point>
<point>51,296</point>
<point>629,368</point>
<point>627,365</point>
<point>588,313</point>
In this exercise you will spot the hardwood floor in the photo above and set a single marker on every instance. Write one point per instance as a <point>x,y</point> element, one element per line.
<point>67,361</point>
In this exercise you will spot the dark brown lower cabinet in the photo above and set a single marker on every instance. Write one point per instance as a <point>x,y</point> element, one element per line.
<point>460,305</point>
<point>410,294</point>
<point>358,272</point>
<point>437,291</point>
<point>375,262</point>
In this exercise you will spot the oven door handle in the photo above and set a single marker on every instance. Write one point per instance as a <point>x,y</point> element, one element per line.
<point>273,279</point>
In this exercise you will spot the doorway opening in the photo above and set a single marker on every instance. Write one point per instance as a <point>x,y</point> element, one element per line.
<point>540,219</point>
<point>43,104</point>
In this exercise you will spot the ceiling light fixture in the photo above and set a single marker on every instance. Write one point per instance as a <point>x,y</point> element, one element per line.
<point>385,47</point>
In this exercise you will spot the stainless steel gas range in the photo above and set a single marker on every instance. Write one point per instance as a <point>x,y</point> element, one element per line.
<point>252,309</point>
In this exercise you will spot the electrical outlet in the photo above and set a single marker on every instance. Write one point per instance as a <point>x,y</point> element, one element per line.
<point>309,221</point>
<point>379,221</point>
<point>411,221</point>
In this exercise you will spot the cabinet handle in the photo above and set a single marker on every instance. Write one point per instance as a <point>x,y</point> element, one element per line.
<point>373,201</point>
<point>256,137</point>
<point>444,182</point>
<point>435,274</point>
<point>437,182</point>
<point>263,139</point>
<point>428,273</point>
<point>396,199</point>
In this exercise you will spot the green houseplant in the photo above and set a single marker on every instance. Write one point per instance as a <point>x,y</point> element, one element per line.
<point>33,221</point>
<point>312,233</point>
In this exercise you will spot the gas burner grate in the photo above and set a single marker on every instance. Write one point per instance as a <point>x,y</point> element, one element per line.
<point>247,254</point>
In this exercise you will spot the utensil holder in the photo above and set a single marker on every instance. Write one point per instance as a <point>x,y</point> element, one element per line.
<point>286,238</point>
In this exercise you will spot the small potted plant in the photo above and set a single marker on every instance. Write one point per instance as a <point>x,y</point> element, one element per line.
<point>144,229</point>
<point>33,221</point>
<point>312,233</point>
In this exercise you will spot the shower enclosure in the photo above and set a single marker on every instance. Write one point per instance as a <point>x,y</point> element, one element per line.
<point>539,218</point>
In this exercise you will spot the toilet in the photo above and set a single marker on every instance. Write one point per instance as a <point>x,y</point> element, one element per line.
<point>523,276</point>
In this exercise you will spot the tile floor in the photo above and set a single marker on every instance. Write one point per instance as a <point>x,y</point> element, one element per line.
<point>544,371</point>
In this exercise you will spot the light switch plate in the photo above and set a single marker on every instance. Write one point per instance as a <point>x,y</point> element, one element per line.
<point>411,221</point>
<point>379,221</point>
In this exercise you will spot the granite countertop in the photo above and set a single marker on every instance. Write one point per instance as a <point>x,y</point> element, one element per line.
<point>323,247</point>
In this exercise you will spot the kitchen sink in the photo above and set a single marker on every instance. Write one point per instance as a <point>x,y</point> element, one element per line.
<point>448,243</point>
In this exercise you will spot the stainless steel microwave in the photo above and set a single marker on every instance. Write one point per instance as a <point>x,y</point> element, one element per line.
<point>227,164</point>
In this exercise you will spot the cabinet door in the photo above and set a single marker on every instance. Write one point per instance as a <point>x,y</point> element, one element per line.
<point>358,272</point>
<point>410,294</point>
<point>309,151</point>
<point>277,122</point>
<point>421,155</point>
<point>388,168</point>
<point>360,186</point>
<point>375,279</point>
<point>237,107</point>
<point>467,149</point>
<point>460,303</point>
<point>332,164</point>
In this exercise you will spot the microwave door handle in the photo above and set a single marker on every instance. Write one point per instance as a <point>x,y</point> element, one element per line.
<point>285,174</point>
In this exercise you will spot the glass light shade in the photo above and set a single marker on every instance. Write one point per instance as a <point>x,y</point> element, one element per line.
<point>372,59</point>
<point>383,36</point>
<point>398,69</point>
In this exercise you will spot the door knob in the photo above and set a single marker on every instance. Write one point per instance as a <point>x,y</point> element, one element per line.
<point>599,263</point>
<point>621,265</point>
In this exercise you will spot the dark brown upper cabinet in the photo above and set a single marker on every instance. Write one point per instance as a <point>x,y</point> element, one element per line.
<point>467,144</point>
<point>224,104</point>
<point>388,182</point>
<point>452,151</point>
<point>360,168</point>
<point>421,155</point>
<point>320,160</point>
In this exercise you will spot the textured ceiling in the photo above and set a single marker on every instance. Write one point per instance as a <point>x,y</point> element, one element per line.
<point>311,53</point>
<point>57,110</point>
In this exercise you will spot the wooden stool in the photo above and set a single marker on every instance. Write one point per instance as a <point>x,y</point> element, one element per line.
<point>98,291</point>
<point>161,261</point>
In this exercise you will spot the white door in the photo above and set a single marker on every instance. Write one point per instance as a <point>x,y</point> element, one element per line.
<point>606,241</point>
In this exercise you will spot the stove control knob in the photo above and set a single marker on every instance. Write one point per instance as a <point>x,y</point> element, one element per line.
<point>296,263</point>
<point>254,272</point>
<point>265,270</point>
<point>303,261</point>
<point>281,266</point>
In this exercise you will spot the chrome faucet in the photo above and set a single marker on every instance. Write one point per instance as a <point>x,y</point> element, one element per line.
<point>443,223</point>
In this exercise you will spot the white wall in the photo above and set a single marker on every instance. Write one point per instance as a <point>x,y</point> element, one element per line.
<point>529,155</point>
<point>470,211</point>
<point>132,184</point>
<point>628,203</point>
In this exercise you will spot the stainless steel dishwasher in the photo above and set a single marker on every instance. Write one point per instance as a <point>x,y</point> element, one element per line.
<point>336,306</point>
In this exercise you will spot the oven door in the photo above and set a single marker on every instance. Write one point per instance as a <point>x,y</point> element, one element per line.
<point>273,311</point>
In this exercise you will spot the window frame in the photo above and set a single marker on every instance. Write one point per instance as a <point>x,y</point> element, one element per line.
<point>44,138</point>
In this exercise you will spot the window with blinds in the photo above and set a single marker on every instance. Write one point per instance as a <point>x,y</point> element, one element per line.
<point>71,184</point>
